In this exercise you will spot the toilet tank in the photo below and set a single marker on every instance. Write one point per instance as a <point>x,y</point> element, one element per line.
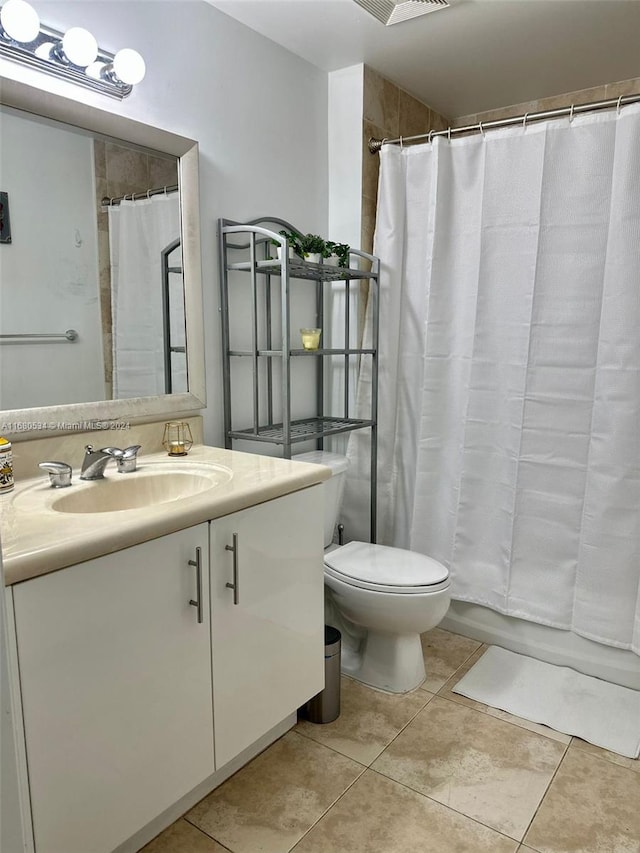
<point>332,488</point>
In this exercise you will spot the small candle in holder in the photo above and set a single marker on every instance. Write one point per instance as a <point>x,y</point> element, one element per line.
<point>310,338</point>
<point>177,440</point>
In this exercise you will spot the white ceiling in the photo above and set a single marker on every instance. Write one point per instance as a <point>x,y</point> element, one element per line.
<point>475,55</point>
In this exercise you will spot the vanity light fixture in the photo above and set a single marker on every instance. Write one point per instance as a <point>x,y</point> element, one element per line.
<point>74,56</point>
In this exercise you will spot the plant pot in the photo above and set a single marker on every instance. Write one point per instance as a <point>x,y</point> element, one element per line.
<point>292,254</point>
<point>331,261</point>
<point>313,257</point>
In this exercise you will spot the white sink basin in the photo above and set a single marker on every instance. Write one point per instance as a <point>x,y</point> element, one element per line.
<point>152,485</point>
<point>137,490</point>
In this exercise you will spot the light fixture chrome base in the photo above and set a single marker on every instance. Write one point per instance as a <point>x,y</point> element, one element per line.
<point>38,55</point>
<point>395,11</point>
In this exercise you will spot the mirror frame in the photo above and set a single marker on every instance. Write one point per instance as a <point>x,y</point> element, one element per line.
<point>73,417</point>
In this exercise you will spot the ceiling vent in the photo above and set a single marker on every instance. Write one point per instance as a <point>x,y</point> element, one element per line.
<point>395,11</point>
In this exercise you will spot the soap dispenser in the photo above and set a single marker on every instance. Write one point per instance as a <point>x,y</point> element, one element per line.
<point>6,466</point>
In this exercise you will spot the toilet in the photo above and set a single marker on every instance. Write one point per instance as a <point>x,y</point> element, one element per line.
<point>380,598</point>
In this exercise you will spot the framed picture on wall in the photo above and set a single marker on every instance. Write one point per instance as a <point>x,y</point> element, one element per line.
<point>5,222</point>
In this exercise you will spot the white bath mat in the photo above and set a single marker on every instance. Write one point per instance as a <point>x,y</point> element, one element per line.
<point>601,713</point>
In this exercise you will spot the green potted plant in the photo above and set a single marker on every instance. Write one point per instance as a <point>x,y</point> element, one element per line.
<point>294,240</point>
<point>342,251</point>
<point>329,257</point>
<point>312,248</point>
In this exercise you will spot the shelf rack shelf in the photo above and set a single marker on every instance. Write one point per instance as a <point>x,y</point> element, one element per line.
<point>267,287</point>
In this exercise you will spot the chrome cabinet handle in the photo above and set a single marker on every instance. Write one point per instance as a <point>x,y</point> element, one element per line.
<point>198,602</point>
<point>235,586</point>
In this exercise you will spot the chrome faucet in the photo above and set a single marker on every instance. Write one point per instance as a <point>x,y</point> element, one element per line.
<point>95,461</point>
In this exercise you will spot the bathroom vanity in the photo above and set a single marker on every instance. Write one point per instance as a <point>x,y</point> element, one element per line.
<point>158,647</point>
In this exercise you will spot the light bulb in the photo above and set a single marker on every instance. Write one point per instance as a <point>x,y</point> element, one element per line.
<point>45,50</point>
<point>129,66</point>
<point>79,46</point>
<point>95,70</point>
<point>20,21</point>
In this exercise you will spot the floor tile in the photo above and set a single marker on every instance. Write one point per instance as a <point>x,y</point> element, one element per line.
<point>368,721</point>
<point>599,752</point>
<point>591,807</point>
<point>182,837</point>
<point>485,768</point>
<point>377,815</point>
<point>447,693</point>
<point>269,804</point>
<point>443,653</point>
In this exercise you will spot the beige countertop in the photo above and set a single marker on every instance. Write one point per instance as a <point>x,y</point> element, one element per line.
<point>37,539</point>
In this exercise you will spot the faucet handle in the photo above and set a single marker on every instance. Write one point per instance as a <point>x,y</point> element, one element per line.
<point>129,459</point>
<point>59,473</point>
<point>132,451</point>
<point>114,452</point>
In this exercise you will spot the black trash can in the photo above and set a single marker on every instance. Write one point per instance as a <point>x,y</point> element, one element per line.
<point>325,706</point>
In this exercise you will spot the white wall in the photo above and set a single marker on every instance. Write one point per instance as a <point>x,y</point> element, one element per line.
<point>49,271</point>
<point>346,106</point>
<point>258,112</point>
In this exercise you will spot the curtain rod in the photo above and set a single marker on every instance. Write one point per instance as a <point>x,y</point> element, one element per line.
<point>108,202</point>
<point>376,144</point>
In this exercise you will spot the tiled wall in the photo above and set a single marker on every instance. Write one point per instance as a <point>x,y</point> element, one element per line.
<point>584,96</point>
<point>389,112</point>
<point>121,170</point>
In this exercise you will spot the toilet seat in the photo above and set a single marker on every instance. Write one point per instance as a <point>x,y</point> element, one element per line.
<point>383,569</point>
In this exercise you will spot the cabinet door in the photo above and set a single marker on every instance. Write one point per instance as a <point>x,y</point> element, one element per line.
<point>268,646</point>
<point>116,688</point>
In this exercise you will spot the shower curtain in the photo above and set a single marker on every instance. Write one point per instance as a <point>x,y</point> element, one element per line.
<point>138,232</point>
<point>510,369</point>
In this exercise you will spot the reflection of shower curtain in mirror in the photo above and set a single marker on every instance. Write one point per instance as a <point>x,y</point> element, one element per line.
<point>138,232</point>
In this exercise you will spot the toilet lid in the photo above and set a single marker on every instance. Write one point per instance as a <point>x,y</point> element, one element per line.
<point>386,569</point>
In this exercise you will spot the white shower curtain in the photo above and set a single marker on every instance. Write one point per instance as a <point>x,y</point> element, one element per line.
<point>510,369</point>
<point>138,232</point>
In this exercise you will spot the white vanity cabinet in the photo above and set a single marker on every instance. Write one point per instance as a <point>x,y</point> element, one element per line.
<point>115,675</point>
<point>268,632</point>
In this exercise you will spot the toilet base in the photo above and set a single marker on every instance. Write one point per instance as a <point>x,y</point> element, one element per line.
<point>390,662</point>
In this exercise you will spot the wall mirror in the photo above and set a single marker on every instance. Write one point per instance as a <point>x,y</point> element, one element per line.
<point>100,280</point>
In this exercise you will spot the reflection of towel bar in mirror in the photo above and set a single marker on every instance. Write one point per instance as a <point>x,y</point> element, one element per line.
<point>70,336</point>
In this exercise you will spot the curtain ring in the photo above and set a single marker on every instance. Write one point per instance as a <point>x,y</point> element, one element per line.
<point>148,194</point>
<point>430,140</point>
<point>524,121</point>
<point>481,129</point>
<point>449,133</point>
<point>619,104</point>
<point>111,200</point>
<point>571,111</point>
<point>401,143</point>
<point>165,191</point>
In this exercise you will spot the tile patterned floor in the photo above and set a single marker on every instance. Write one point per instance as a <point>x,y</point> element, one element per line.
<point>429,772</point>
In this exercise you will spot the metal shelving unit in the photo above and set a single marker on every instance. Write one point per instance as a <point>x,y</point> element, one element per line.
<point>168,269</point>
<point>269,289</point>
